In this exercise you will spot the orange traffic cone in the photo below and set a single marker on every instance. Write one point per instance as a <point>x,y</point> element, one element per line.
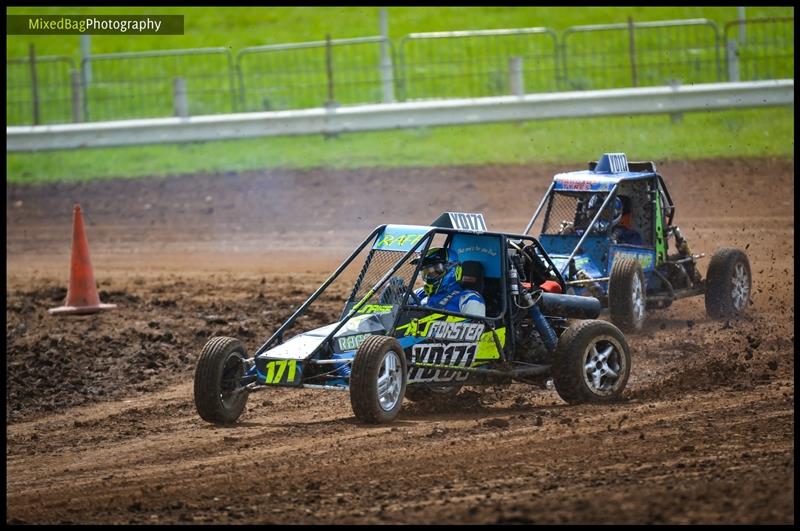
<point>82,293</point>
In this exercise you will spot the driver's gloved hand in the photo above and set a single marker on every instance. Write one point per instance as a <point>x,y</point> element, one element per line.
<point>393,292</point>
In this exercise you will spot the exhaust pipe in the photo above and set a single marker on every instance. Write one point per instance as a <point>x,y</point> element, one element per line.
<point>572,306</point>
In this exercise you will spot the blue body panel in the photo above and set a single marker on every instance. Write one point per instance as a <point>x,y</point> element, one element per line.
<point>483,249</point>
<point>644,255</point>
<point>594,251</point>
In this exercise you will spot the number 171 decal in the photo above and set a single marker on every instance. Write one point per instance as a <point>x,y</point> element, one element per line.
<point>282,372</point>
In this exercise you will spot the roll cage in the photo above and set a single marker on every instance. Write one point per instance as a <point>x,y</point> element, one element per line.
<point>663,199</point>
<point>423,243</point>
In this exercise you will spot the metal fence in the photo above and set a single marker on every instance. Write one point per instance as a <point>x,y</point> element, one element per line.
<point>760,49</point>
<point>42,94</point>
<point>464,64</point>
<point>314,74</point>
<point>161,83</point>
<point>473,64</point>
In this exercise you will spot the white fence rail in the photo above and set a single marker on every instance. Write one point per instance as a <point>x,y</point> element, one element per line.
<point>649,100</point>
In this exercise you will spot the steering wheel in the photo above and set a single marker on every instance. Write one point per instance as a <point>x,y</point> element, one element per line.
<point>538,266</point>
<point>524,255</point>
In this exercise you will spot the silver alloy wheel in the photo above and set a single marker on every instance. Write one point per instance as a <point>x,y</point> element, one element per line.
<point>390,380</point>
<point>638,300</point>
<point>604,366</point>
<point>741,286</point>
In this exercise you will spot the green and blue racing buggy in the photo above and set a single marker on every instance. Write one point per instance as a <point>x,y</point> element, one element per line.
<point>386,346</point>
<point>608,228</point>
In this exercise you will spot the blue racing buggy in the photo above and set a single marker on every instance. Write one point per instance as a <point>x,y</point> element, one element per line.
<point>388,345</point>
<point>607,229</point>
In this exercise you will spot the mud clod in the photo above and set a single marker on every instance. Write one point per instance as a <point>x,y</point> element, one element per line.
<point>497,423</point>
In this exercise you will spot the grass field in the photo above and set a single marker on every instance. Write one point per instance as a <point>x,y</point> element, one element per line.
<point>763,132</point>
<point>757,132</point>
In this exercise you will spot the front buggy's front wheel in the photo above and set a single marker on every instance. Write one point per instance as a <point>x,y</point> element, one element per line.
<point>592,363</point>
<point>378,380</point>
<point>218,394</point>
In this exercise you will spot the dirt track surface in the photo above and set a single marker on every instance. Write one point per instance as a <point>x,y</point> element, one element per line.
<point>101,426</point>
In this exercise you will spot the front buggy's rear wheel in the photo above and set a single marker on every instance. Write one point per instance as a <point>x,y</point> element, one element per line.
<point>592,363</point>
<point>626,295</point>
<point>378,380</point>
<point>218,394</point>
<point>728,283</point>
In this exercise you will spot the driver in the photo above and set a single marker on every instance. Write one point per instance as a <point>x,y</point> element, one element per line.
<point>442,274</point>
<point>620,222</point>
<point>623,231</point>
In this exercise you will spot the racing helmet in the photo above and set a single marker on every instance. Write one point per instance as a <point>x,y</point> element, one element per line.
<point>435,265</point>
<point>596,201</point>
<point>617,211</point>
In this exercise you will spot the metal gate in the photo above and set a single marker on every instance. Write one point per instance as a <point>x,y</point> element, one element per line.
<point>160,83</point>
<point>474,64</point>
<point>639,54</point>
<point>760,49</point>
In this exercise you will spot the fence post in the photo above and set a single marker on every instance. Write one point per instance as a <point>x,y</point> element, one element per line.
<point>85,89</point>
<point>85,52</point>
<point>515,79</point>
<point>34,84</point>
<point>387,70</point>
<point>632,48</point>
<point>732,53</point>
<point>741,24</point>
<point>77,111</point>
<point>562,75</point>
<point>329,69</point>
<point>179,99</point>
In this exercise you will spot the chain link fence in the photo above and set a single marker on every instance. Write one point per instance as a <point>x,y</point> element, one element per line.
<point>381,261</point>
<point>463,64</point>
<point>567,212</point>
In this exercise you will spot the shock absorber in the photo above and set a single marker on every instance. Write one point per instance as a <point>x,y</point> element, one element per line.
<point>513,280</point>
<point>541,323</point>
<point>681,243</point>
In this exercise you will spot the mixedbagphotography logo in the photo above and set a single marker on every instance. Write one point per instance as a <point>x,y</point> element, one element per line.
<point>94,24</point>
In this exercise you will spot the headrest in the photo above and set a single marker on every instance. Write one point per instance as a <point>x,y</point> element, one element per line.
<point>472,275</point>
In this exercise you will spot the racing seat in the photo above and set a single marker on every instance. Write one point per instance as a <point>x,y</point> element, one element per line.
<point>472,277</point>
